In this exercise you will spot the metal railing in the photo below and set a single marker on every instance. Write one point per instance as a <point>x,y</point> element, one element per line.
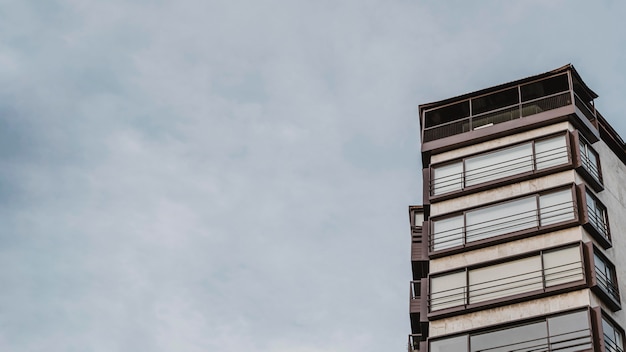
<point>497,116</point>
<point>414,342</point>
<point>590,166</point>
<point>581,339</point>
<point>510,167</point>
<point>607,284</point>
<point>582,106</point>
<point>612,346</point>
<point>599,222</point>
<point>503,287</point>
<point>506,224</point>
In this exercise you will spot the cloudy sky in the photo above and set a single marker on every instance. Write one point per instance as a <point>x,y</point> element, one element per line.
<point>189,175</point>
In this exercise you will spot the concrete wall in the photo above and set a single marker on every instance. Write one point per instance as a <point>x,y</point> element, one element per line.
<point>494,316</point>
<point>500,142</point>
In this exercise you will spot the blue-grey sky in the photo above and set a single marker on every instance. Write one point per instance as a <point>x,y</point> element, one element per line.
<point>234,175</point>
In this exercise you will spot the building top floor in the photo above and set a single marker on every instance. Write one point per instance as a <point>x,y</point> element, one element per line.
<point>525,104</point>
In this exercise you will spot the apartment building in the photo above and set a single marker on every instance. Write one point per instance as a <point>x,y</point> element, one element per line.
<point>520,243</point>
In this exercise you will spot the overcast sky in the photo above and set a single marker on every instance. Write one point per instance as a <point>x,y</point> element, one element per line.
<point>188,175</point>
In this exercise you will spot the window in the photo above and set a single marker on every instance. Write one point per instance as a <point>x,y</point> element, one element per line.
<point>534,273</point>
<point>613,338</point>
<point>519,159</point>
<point>605,279</point>
<point>596,213</point>
<point>564,333</point>
<point>589,159</point>
<point>529,212</point>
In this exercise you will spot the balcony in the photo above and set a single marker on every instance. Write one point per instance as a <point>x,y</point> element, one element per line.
<point>488,108</point>
<point>490,118</point>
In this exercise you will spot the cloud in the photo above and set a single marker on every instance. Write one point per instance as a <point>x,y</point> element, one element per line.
<point>223,176</point>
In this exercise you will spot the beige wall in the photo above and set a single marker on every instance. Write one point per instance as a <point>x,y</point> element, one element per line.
<point>506,249</point>
<point>494,316</point>
<point>500,142</point>
<point>503,192</point>
<point>614,198</point>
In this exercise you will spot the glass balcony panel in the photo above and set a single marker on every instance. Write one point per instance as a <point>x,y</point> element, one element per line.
<point>569,333</point>
<point>447,178</point>
<point>447,233</point>
<point>496,165</point>
<point>453,344</point>
<point>505,279</point>
<point>531,337</point>
<point>556,207</point>
<point>503,218</point>
<point>551,152</point>
<point>562,266</point>
<point>447,291</point>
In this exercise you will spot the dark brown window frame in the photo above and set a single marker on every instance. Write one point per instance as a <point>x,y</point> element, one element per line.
<point>598,315</point>
<point>504,180</point>
<point>604,241</point>
<point>591,316</point>
<point>614,303</point>
<point>515,298</point>
<point>529,232</point>
<point>596,184</point>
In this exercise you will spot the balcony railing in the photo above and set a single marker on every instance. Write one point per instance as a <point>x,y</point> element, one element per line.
<point>579,340</point>
<point>590,166</point>
<point>414,342</point>
<point>612,346</point>
<point>497,116</point>
<point>503,287</point>
<point>607,284</point>
<point>584,108</point>
<point>494,227</point>
<point>599,223</point>
<point>458,181</point>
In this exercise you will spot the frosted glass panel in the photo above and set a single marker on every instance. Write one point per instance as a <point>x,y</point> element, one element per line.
<point>551,152</point>
<point>562,266</point>
<point>500,219</point>
<point>447,232</point>
<point>447,291</point>
<point>447,178</point>
<point>505,279</point>
<point>530,337</point>
<point>556,207</point>
<point>492,166</point>
<point>569,333</point>
<point>454,344</point>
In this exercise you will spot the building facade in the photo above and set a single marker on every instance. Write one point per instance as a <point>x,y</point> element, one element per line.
<point>519,244</point>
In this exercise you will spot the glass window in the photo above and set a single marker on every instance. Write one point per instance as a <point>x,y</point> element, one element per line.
<point>564,333</point>
<point>544,87</point>
<point>447,232</point>
<point>570,332</point>
<point>597,215</point>
<point>447,290</point>
<point>530,337</point>
<point>447,178</point>
<point>453,344</point>
<point>556,207</point>
<point>551,152</point>
<point>613,339</point>
<point>503,218</point>
<point>495,101</point>
<point>562,266</point>
<point>589,159</point>
<point>496,165</point>
<point>505,279</point>
<point>605,276</point>
<point>447,114</point>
